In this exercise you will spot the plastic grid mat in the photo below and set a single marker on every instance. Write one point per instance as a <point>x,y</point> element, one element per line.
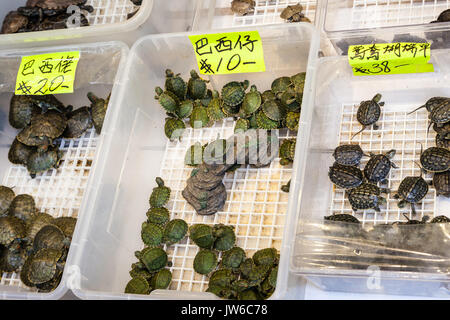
<point>385,13</point>
<point>267,12</point>
<point>402,132</point>
<point>58,192</point>
<point>255,204</point>
<point>109,11</point>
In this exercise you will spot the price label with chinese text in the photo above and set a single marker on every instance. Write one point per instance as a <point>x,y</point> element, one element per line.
<point>50,73</point>
<point>390,58</point>
<point>231,52</point>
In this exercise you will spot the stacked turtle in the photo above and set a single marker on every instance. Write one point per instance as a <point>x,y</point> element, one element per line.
<point>149,273</point>
<point>44,119</point>
<point>294,13</point>
<point>272,109</point>
<point>40,15</point>
<point>235,276</point>
<point>205,190</point>
<point>32,242</point>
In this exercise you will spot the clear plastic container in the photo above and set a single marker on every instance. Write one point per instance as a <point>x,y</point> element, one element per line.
<point>354,15</point>
<point>326,254</point>
<point>135,151</point>
<point>58,192</point>
<point>109,17</point>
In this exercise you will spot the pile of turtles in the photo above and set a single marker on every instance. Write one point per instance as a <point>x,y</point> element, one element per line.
<point>292,13</point>
<point>235,276</point>
<point>32,242</point>
<point>276,108</point>
<point>205,190</point>
<point>43,120</point>
<point>149,273</point>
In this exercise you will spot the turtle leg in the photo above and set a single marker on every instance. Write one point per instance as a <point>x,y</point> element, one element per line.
<point>393,165</point>
<point>375,126</point>
<point>377,209</point>
<point>413,208</point>
<point>385,190</point>
<point>401,204</point>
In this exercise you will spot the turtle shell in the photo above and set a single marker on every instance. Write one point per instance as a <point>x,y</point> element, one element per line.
<point>265,122</point>
<point>168,100</point>
<point>267,256</point>
<point>50,236</point>
<point>288,99</point>
<point>205,261</point>
<point>214,109</point>
<point>342,218</point>
<point>440,219</point>
<point>280,84</point>
<point>160,195</point>
<point>368,112</point>
<point>290,11</point>
<point>435,159</point>
<point>54,4</point>
<point>12,260</point>
<point>66,224</point>
<point>202,235</point>
<point>42,161</point>
<point>21,110</point>
<point>185,109</point>
<point>443,140</point>
<point>442,129</point>
<point>19,152</point>
<point>23,207</point>
<point>377,168</point>
<point>29,138</point>
<point>98,110</point>
<point>7,195</point>
<point>199,117</point>
<point>154,259</point>
<point>299,79</point>
<point>366,196</point>
<point>292,119</point>
<point>413,189</point>
<point>274,110</point>
<point>52,284</point>
<point>348,154</point>
<point>242,7</point>
<point>441,113</point>
<point>252,101</point>
<point>175,84</point>
<point>174,231</point>
<point>37,222</point>
<point>233,93</point>
<point>196,86</point>
<point>441,182</point>
<point>241,125</point>
<point>285,148</point>
<point>138,285</point>
<point>13,22</point>
<point>233,258</point>
<point>151,234</point>
<point>267,95</point>
<point>43,266</point>
<point>78,122</point>
<point>345,176</point>
<point>50,124</point>
<point>174,128</point>
<point>225,237</point>
<point>161,279</point>
<point>159,216</point>
<point>221,278</point>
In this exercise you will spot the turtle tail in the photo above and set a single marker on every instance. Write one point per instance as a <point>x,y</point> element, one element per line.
<point>417,109</point>
<point>364,127</point>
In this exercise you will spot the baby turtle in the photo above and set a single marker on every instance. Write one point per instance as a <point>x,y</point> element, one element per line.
<point>285,152</point>
<point>36,223</point>
<point>214,109</point>
<point>185,109</point>
<point>174,231</point>
<point>174,128</point>
<point>431,104</point>
<point>233,93</point>
<point>154,259</point>
<point>366,196</point>
<point>286,187</point>
<point>151,234</point>
<point>161,279</point>
<point>42,161</point>
<point>50,236</point>
<point>264,122</point>
<point>441,182</point>
<point>159,216</point>
<point>222,278</point>
<point>43,266</point>
<point>205,261</point>
<point>77,123</point>
<point>294,14</point>
<point>40,8</point>
<point>435,159</point>
<point>14,22</point>
<point>348,154</point>
<point>98,110</point>
<point>160,195</point>
<point>23,207</point>
<point>21,110</point>
<point>138,285</point>
<point>346,177</point>
<point>49,125</point>
<point>19,152</point>
<point>274,110</point>
<point>175,84</point>
<point>233,258</point>
<point>369,112</point>
<point>242,7</point>
<point>202,235</point>
<point>7,196</point>
<point>196,86</point>
<point>411,190</point>
<point>292,119</point>
<point>168,100</point>
<point>280,85</point>
<point>342,218</point>
<point>199,117</point>
<point>66,224</point>
<point>225,237</point>
<point>378,167</point>
<point>440,219</point>
<point>440,115</point>
<point>267,256</point>
<point>252,101</point>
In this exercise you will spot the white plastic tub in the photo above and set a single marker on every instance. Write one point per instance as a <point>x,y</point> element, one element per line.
<point>325,260</point>
<point>135,151</point>
<point>109,17</point>
<point>58,192</point>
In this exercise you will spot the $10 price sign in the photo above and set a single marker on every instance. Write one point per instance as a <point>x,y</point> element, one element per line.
<point>49,73</point>
<point>390,58</point>
<point>231,52</point>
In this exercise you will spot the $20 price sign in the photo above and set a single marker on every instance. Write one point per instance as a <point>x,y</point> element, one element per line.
<point>49,73</point>
<point>231,52</point>
<point>390,58</point>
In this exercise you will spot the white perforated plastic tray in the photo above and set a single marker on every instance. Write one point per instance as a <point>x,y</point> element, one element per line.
<point>402,132</point>
<point>255,205</point>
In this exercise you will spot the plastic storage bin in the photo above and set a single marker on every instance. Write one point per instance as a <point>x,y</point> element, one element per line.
<point>345,263</point>
<point>108,17</point>
<point>58,192</point>
<point>351,15</point>
<point>136,151</point>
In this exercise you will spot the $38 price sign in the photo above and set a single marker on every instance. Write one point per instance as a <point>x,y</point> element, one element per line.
<point>44,74</point>
<point>231,52</point>
<point>390,58</point>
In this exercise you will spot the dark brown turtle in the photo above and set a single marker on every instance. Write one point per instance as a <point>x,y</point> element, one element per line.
<point>66,224</point>
<point>6,197</point>
<point>12,230</point>
<point>294,14</point>
<point>440,115</point>
<point>378,167</point>
<point>346,177</point>
<point>18,152</point>
<point>242,7</point>
<point>42,161</point>
<point>366,196</point>
<point>36,223</point>
<point>41,8</point>
<point>441,182</point>
<point>412,189</point>
<point>431,104</point>
<point>443,140</point>
<point>435,159</point>
<point>348,154</point>
<point>342,218</point>
<point>14,22</point>
<point>43,265</point>
<point>21,110</point>
<point>78,122</point>
<point>50,236</point>
<point>98,110</point>
<point>51,284</point>
<point>369,112</point>
<point>23,207</point>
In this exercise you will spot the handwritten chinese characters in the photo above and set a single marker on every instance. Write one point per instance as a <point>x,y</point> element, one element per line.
<point>47,73</point>
<point>233,52</point>
<point>390,58</point>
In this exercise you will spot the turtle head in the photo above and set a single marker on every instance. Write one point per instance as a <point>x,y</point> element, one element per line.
<point>402,204</point>
<point>158,91</point>
<point>253,88</point>
<point>169,73</point>
<point>194,74</point>
<point>92,97</point>
<point>245,84</point>
<point>159,182</point>
<point>377,98</point>
<point>391,154</point>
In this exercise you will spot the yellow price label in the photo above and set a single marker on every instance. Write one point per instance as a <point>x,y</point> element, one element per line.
<point>49,73</point>
<point>230,52</point>
<point>390,58</point>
